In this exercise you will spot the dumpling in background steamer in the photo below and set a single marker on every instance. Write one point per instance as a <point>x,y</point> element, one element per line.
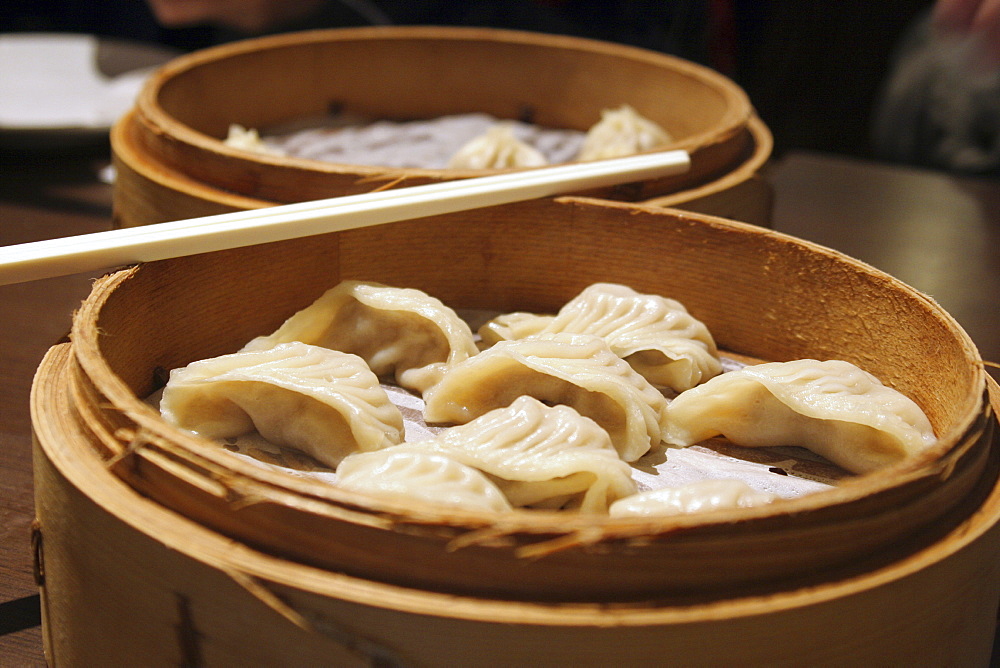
<point>401,331</point>
<point>695,497</point>
<point>322,402</point>
<point>655,335</point>
<point>832,408</point>
<point>539,456</point>
<point>420,476</point>
<point>622,132</point>
<point>498,148</point>
<point>578,370</point>
<point>248,139</point>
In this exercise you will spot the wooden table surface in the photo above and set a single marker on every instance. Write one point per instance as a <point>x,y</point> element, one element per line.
<point>939,233</point>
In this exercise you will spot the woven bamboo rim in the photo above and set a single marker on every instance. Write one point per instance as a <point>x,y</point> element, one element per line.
<point>550,556</point>
<point>934,605</point>
<point>180,119</point>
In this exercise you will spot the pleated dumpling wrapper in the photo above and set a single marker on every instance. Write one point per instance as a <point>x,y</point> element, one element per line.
<point>695,497</point>
<point>322,402</point>
<point>831,407</point>
<point>539,456</point>
<point>400,331</point>
<point>577,370</point>
<point>656,335</point>
<point>620,132</point>
<point>408,475</point>
<point>497,148</point>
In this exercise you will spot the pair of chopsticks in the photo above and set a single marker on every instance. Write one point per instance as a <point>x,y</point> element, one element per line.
<point>116,248</point>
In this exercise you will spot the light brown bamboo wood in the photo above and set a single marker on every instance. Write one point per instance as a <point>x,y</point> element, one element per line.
<point>126,581</point>
<point>414,72</point>
<point>742,193</point>
<point>146,192</point>
<point>762,294</point>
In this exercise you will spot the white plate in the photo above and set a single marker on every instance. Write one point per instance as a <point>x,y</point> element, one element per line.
<point>63,88</point>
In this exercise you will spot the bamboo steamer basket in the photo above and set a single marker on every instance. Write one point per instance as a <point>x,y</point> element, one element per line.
<point>157,547</point>
<point>762,294</point>
<point>147,192</point>
<point>173,139</point>
<point>126,581</point>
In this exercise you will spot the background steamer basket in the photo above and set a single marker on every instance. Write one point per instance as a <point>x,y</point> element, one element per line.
<point>147,192</point>
<point>403,73</point>
<point>762,294</point>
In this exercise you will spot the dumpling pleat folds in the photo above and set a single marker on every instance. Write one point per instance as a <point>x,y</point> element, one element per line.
<point>831,407</point>
<point>400,331</point>
<point>655,335</point>
<point>548,456</point>
<point>406,475</point>
<point>573,369</point>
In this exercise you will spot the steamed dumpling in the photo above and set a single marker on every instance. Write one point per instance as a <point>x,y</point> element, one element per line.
<point>401,331</point>
<point>249,139</point>
<point>833,408</point>
<point>620,132</point>
<point>322,402</point>
<point>498,148</point>
<point>420,476</point>
<point>539,456</point>
<point>654,334</point>
<point>578,370</point>
<point>695,497</point>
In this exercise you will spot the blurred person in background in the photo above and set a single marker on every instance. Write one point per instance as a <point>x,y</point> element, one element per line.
<point>686,28</point>
<point>940,107</point>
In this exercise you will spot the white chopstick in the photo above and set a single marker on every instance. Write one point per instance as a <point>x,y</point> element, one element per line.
<point>115,248</point>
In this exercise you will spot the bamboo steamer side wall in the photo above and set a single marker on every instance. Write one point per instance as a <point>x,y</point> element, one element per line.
<point>742,194</point>
<point>126,581</point>
<point>422,73</point>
